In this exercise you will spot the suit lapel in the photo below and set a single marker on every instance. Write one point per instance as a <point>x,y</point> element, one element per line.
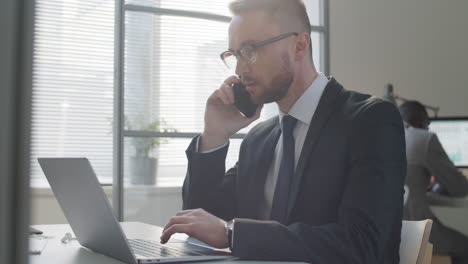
<point>319,119</point>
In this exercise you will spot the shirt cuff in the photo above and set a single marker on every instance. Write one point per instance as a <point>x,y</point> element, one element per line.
<point>210,150</point>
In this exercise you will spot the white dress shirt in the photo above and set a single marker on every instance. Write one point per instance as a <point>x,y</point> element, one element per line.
<point>303,110</point>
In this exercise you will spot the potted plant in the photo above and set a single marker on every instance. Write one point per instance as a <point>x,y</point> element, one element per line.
<point>143,167</point>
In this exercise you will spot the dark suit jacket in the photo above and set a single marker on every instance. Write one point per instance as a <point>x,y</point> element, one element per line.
<point>347,193</point>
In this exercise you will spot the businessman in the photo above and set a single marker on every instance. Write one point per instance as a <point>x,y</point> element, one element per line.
<point>427,158</point>
<point>322,182</point>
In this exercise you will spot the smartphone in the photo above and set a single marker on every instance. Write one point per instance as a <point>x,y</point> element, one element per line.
<point>242,100</point>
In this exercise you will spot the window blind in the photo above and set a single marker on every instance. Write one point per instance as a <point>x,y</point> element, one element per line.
<point>171,67</point>
<point>73,72</point>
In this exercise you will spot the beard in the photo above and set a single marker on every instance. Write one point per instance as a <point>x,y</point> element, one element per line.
<point>279,85</point>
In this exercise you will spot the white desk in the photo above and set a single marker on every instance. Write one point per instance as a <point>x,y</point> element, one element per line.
<point>451,212</point>
<point>73,253</point>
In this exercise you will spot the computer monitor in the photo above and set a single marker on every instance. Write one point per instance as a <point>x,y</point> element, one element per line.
<point>453,135</point>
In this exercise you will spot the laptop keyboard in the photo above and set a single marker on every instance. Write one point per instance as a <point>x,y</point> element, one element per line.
<point>153,249</point>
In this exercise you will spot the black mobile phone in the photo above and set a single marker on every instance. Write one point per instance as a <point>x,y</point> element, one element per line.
<point>242,100</point>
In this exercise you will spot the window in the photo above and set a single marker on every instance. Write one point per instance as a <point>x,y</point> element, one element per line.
<point>73,86</point>
<point>171,66</point>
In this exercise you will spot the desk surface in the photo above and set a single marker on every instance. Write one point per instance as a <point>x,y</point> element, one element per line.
<point>442,200</point>
<point>451,212</point>
<point>73,253</point>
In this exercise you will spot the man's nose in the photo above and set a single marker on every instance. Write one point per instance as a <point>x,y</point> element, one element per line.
<point>242,66</point>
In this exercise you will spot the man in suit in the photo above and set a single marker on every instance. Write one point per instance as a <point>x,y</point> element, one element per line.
<point>322,182</point>
<point>427,158</point>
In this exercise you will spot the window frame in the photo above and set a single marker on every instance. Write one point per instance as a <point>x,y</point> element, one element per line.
<point>119,127</point>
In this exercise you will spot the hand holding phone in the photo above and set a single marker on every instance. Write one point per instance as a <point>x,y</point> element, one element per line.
<point>222,117</point>
<point>242,100</point>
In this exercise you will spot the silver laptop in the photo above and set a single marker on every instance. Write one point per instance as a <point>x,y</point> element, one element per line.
<point>89,213</point>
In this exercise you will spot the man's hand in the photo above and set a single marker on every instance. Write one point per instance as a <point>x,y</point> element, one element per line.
<point>222,118</point>
<point>432,182</point>
<point>198,224</point>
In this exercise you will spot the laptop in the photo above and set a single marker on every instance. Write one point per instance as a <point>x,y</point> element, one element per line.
<point>89,213</point>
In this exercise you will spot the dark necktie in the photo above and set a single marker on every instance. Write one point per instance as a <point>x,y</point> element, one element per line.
<point>286,172</point>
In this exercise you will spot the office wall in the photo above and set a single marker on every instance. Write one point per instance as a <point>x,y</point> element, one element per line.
<point>418,45</point>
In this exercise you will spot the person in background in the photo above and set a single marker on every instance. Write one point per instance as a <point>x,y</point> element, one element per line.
<point>427,160</point>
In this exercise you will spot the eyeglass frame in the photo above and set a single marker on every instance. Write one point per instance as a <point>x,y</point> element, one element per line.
<point>237,53</point>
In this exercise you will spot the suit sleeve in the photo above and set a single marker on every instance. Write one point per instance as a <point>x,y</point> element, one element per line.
<point>452,181</point>
<point>207,185</point>
<point>371,203</point>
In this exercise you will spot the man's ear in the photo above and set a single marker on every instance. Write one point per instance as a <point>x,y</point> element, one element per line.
<point>302,45</point>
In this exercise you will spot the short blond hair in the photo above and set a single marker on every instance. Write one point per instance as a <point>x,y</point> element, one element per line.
<point>280,10</point>
<point>283,12</point>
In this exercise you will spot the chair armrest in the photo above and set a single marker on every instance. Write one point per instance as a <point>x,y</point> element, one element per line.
<point>428,254</point>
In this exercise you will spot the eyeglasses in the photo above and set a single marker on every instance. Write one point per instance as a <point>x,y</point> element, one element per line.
<point>248,51</point>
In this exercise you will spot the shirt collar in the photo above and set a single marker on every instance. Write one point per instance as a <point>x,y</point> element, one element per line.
<point>309,100</point>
